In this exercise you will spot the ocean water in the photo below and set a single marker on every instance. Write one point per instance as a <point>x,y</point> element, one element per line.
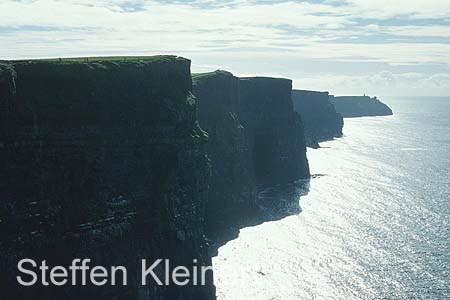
<point>375,223</point>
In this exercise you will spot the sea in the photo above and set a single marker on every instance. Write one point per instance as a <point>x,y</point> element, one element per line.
<point>373,222</point>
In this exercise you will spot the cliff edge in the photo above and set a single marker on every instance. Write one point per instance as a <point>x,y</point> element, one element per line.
<point>255,140</point>
<point>101,159</point>
<point>319,116</point>
<point>233,190</point>
<point>360,106</point>
<point>274,130</point>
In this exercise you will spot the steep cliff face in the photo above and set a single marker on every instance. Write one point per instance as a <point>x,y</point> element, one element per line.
<point>255,139</point>
<point>360,106</point>
<point>232,190</point>
<point>274,130</point>
<point>319,116</point>
<point>104,160</point>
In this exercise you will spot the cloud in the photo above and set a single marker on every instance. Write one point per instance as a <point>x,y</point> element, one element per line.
<point>417,31</point>
<point>226,33</point>
<point>384,83</point>
<point>417,9</point>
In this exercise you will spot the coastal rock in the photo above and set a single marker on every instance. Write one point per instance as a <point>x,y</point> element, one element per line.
<point>319,116</point>
<point>360,106</point>
<point>233,191</point>
<point>104,158</point>
<point>101,159</point>
<point>274,130</point>
<point>255,141</point>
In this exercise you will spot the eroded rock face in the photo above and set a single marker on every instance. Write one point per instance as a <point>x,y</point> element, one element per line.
<point>255,140</point>
<point>104,160</point>
<point>319,116</point>
<point>360,106</point>
<point>274,130</point>
<point>233,191</point>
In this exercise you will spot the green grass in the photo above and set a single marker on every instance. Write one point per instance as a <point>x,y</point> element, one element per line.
<point>196,76</point>
<point>155,58</point>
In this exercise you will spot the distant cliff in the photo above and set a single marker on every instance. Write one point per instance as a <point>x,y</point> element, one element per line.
<point>103,160</point>
<point>319,116</point>
<point>360,106</point>
<point>255,139</point>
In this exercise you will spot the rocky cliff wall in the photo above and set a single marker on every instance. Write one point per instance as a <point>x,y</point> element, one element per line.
<point>104,160</point>
<point>275,131</point>
<point>360,106</point>
<point>233,189</point>
<point>319,116</point>
<point>255,139</point>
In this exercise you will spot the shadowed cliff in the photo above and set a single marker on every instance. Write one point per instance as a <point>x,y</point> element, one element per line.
<point>275,131</point>
<point>101,159</point>
<point>233,189</point>
<point>360,106</point>
<point>319,116</point>
<point>255,141</point>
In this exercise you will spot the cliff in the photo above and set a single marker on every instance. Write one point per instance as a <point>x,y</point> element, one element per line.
<point>360,106</point>
<point>275,131</point>
<point>255,140</point>
<point>101,159</point>
<point>233,191</point>
<point>319,116</point>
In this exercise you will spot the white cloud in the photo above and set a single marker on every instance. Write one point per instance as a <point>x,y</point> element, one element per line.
<point>384,83</point>
<point>418,31</point>
<point>383,9</point>
<point>226,31</point>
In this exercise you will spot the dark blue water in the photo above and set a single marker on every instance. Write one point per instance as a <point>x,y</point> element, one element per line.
<point>376,226</point>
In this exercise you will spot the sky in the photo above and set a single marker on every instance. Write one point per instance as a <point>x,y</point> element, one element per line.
<point>346,47</point>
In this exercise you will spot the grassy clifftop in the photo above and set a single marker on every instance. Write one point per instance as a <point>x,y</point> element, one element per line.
<point>154,58</point>
<point>200,76</point>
